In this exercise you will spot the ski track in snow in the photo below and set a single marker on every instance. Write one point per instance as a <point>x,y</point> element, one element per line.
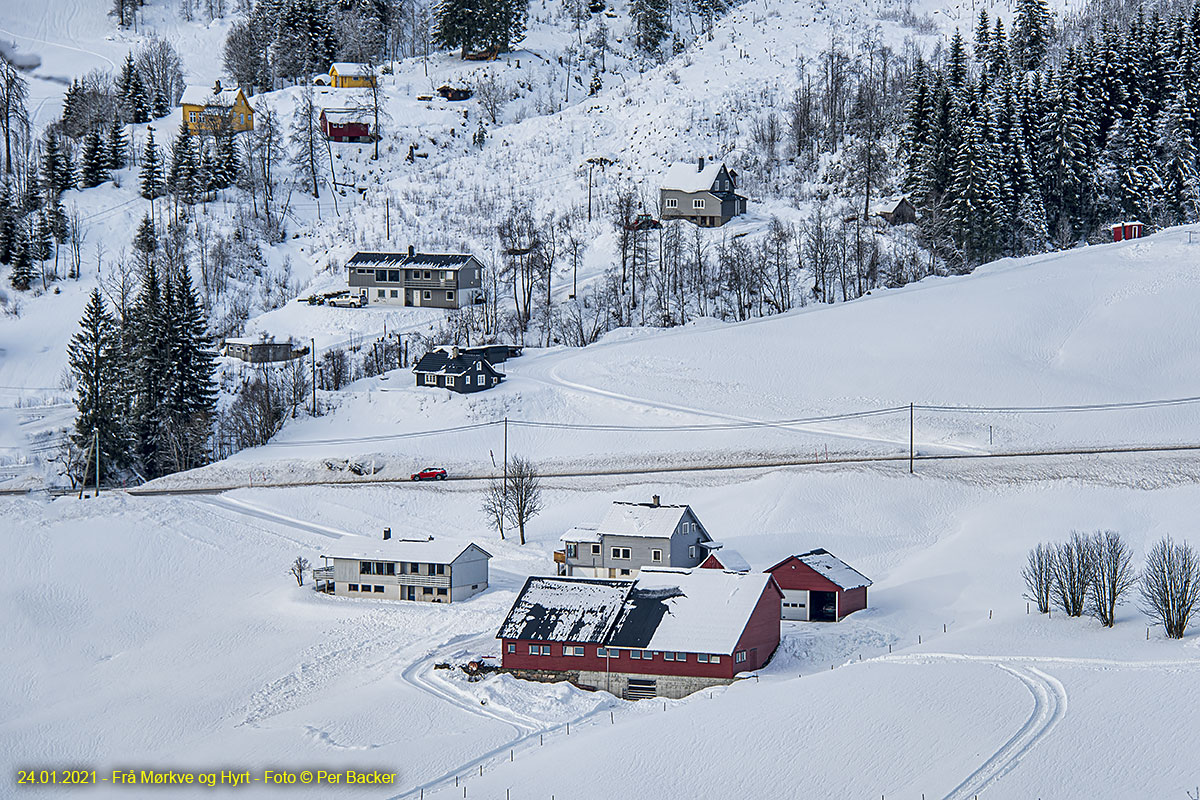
<point>247,510</point>
<point>1049,705</point>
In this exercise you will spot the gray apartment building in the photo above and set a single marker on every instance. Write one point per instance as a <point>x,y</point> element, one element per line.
<point>427,280</point>
<point>430,571</point>
<point>700,193</point>
<point>632,536</point>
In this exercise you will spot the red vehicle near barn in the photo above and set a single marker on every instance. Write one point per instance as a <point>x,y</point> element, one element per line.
<point>346,125</point>
<point>819,587</point>
<point>669,633</point>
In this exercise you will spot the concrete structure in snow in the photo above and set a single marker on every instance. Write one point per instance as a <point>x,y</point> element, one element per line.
<point>819,587</point>
<point>632,536</point>
<point>667,634</point>
<point>428,571</point>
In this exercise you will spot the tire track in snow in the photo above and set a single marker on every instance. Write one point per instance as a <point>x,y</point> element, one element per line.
<point>247,510</point>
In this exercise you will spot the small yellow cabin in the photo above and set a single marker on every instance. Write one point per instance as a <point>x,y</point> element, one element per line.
<point>349,75</point>
<point>216,110</point>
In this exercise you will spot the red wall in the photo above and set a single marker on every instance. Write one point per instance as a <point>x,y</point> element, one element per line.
<point>762,631</point>
<point>852,600</point>
<point>795,574</point>
<point>590,661</point>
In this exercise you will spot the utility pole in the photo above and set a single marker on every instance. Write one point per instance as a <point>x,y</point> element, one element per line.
<point>313,353</point>
<point>387,217</point>
<point>505,483</point>
<point>911,427</point>
<point>96,444</point>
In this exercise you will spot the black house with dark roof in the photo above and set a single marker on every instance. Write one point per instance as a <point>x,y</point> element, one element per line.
<point>457,370</point>
<point>429,280</point>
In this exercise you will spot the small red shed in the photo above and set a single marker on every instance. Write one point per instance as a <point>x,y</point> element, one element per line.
<point>346,125</point>
<point>820,587</point>
<point>1127,230</point>
<point>726,559</point>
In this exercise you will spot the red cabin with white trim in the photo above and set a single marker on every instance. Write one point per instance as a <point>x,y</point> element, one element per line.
<point>1127,230</point>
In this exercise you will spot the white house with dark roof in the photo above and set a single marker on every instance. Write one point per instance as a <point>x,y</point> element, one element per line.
<point>431,571</point>
<point>632,536</point>
<point>700,192</point>
<point>428,280</point>
<point>668,633</point>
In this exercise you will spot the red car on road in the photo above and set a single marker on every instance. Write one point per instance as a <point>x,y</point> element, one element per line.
<point>430,474</point>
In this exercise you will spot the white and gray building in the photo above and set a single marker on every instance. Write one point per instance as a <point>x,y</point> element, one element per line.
<point>632,536</point>
<point>431,571</point>
<point>426,280</point>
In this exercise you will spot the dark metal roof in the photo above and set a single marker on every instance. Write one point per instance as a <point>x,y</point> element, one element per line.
<point>643,612</point>
<point>565,610</point>
<point>432,260</point>
<point>441,362</point>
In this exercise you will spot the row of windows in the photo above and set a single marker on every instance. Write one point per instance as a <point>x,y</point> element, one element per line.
<point>394,275</point>
<point>673,202</point>
<point>425,295</point>
<point>353,587</point>
<point>793,605</point>
<point>616,553</point>
<point>482,380</point>
<point>611,652</point>
<point>405,568</point>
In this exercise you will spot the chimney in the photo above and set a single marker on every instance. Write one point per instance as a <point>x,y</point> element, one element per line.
<point>700,164</point>
<point>453,351</point>
<point>217,87</point>
<point>387,534</point>
<point>412,251</point>
<point>654,501</point>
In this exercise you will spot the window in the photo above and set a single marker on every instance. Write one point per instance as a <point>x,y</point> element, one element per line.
<point>393,276</point>
<point>714,659</point>
<point>681,656</point>
<point>351,587</point>
<point>572,549</point>
<point>426,295</point>
<point>468,380</point>
<point>739,656</point>
<point>595,549</point>
<point>439,569</point>
<point>381,275</point>
<point>395,293</point>
<point>607,652</point>
<point>621,553</point>
<point>656,555</point>
<point>702,658</point>
<point>512,648</point>
<point>426,590</point>
<point>414,568</point>
<point>624,572</point>
<point>672,202</point>
<point>430,379</point>
<point>450,296</point>
<point>668,656</point>
<point>378,590</point>
<point>539,649</point>
<point>692,551</point>
<point>364,568</point>
<point>449,380</point>
<point>441,592</point>
<point>389,568</point>
<point>648,655</point>
<point>428,275</point>
<point>698,202</point>
<point>380,568</point>
<point>572,650</point>
<point>382,293</point>
<point>635,653</point>
<point>416,275</point>
<point>445,274</point>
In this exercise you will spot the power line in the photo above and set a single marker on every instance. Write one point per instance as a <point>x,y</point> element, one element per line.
<point>1175,401</point>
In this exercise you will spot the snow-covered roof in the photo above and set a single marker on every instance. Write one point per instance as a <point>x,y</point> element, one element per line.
<point>732,560</point>
<point>205,96</point>
<point>435,551</point>
<point>688,610</point>
<point>350,68</point>
<point>565,610</point>
<point>581,533</point>
<point>643,519</point>
<point>343,115</point>
<point>887,206</point>
<point>830,567</point>
<point>687,177</point>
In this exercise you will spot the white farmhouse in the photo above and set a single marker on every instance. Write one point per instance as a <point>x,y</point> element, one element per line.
<point>428,571</point>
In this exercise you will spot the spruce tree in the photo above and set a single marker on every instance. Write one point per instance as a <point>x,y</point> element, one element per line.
<point>137,102</point>
<point>94,360</point>
<point>1066,166</point>
<point>191,395</point>
<point>41,243</point>
<point>22,260</point>
<point>1139,185</point>
<point>983,39</point>
<point>161,106</point>
<point>998,50</point>
<point>974,195</point>
<point>8,225</point>
<point>56,174</point>
<point>94,169</point>
<point>1180,178</point>
<point>184,164</point>
<point>117,145</point>
<point>152,342</point>
<point>151,176</point>
<point>651,22</point>
<point>1031,33</point>
<point>956,67</point>
<point>125,83</point>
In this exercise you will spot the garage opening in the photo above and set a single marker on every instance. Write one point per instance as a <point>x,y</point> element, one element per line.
<point>822,606</point>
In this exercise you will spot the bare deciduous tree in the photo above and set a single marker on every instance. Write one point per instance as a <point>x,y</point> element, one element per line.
<point>1113,575</point>
<point>1170,585</point>
<point>1039,576</point>
<point>523,490</point>
<point>493,505</point>
<point>298,568</point>
<point>1072,574</point>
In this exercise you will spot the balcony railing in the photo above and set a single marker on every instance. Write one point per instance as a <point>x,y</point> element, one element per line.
<point>322,573</point>
<point>407,580</point>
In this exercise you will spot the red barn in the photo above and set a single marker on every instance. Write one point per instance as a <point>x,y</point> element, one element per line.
<point>1128,230</point>
<point>346,125</point>
<point>819,586</point>
<point>669,633</point>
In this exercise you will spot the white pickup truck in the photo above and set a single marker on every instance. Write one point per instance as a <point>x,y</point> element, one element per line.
<point>346,301</point>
